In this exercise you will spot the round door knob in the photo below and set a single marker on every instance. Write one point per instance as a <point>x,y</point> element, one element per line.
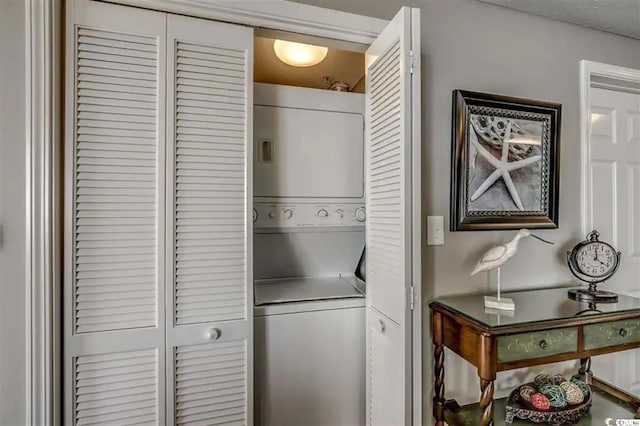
<point>623,332</point>
<point>322,213</point>
<point>272,215</point>
<point>340,213</point>
<point>213,334</point>
<point>382,327</point>
<point>255,215</point>
<point>288,213</point>
<point>361,214</point>
<point>543,344</point>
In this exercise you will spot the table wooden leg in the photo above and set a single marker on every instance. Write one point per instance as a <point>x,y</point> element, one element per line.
<point>438,398</point>
<point>585,369</point>
<point>486,402</point>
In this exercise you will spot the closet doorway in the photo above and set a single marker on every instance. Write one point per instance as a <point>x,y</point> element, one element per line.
<point>158,287</point>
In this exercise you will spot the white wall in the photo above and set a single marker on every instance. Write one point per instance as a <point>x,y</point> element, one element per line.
<point>471,45</point>
<point>13,352</point>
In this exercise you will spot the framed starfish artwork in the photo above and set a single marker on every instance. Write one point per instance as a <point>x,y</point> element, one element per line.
<point>505,163</point>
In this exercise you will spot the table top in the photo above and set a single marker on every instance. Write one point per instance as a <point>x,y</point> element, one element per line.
<point>534,306</point>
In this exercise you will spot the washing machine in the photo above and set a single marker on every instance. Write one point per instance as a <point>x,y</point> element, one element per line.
<point>310,348</point>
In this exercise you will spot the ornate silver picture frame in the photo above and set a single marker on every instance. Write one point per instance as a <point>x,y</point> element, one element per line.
<point>505,164</point>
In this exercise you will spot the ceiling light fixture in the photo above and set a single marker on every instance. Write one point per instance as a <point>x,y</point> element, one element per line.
<point>299,54</point>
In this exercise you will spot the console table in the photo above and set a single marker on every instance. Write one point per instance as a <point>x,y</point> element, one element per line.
<point>546,327</point>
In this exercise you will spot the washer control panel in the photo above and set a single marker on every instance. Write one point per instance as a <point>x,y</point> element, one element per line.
<point>307,215</point>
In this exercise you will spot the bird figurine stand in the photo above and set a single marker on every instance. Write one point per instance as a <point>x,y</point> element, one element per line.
<point>502,303</point>
<point>494,258</point>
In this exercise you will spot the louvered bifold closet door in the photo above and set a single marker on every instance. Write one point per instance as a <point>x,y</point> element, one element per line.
<point>114,221</point>
<point>392,163</point>
<point>209,304</point>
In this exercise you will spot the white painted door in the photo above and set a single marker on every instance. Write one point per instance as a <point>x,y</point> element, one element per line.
<point>613,208</point>
<point>209,263</point>
<point>114,220</point>
<point>392,184</point>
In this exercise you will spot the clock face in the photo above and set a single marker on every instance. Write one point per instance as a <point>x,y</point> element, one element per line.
<point>596,259</point>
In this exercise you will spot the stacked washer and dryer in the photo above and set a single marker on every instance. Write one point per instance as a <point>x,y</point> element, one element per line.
<point>309,237</point>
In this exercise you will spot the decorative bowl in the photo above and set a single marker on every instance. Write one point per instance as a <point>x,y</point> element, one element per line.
<point>519,408</point>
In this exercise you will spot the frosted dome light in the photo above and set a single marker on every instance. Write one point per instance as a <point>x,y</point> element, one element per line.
<point>299,54</point>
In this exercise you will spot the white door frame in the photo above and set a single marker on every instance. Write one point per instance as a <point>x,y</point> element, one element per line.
<point>615,75</point>
<point>44,140</point>
<point>43,100</point>
<point>274,14</point>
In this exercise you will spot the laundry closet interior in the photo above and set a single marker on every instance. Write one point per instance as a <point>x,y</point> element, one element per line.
<point>242,222</point>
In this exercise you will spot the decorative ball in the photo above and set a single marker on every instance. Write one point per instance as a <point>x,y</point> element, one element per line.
<point>540,402</point>
<point>556,395</point>
<point>586,390</point>
<point>573,392</point>
<point>558,379</point>
<point>542,379</point>
<point>526,391</point>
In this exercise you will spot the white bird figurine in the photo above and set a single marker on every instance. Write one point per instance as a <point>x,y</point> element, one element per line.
<point>497,256</point>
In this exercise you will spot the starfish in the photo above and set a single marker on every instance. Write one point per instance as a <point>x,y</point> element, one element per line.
<point>502,165</point>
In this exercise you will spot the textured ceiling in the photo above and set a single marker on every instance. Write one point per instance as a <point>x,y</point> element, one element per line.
<point>614,16</point>
<point>340,65</point>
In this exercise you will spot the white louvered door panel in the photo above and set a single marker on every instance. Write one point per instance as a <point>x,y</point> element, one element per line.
<point>114,220</point>
<point>117,388</point>
<point>208,225</point>
<point>387,192</point>
<point>393,210</point>
<point>116,184</point>
<point>211,383</point>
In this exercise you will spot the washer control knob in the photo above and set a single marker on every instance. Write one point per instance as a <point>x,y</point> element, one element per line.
<point>255,215</point>
<point>288,213</point>
<point>340,213</point>
<point>361,214</point>
<point>272,215</point>
<point>322,213</point>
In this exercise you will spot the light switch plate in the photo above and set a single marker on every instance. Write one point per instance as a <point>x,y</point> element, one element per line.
<point>435,230</point>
